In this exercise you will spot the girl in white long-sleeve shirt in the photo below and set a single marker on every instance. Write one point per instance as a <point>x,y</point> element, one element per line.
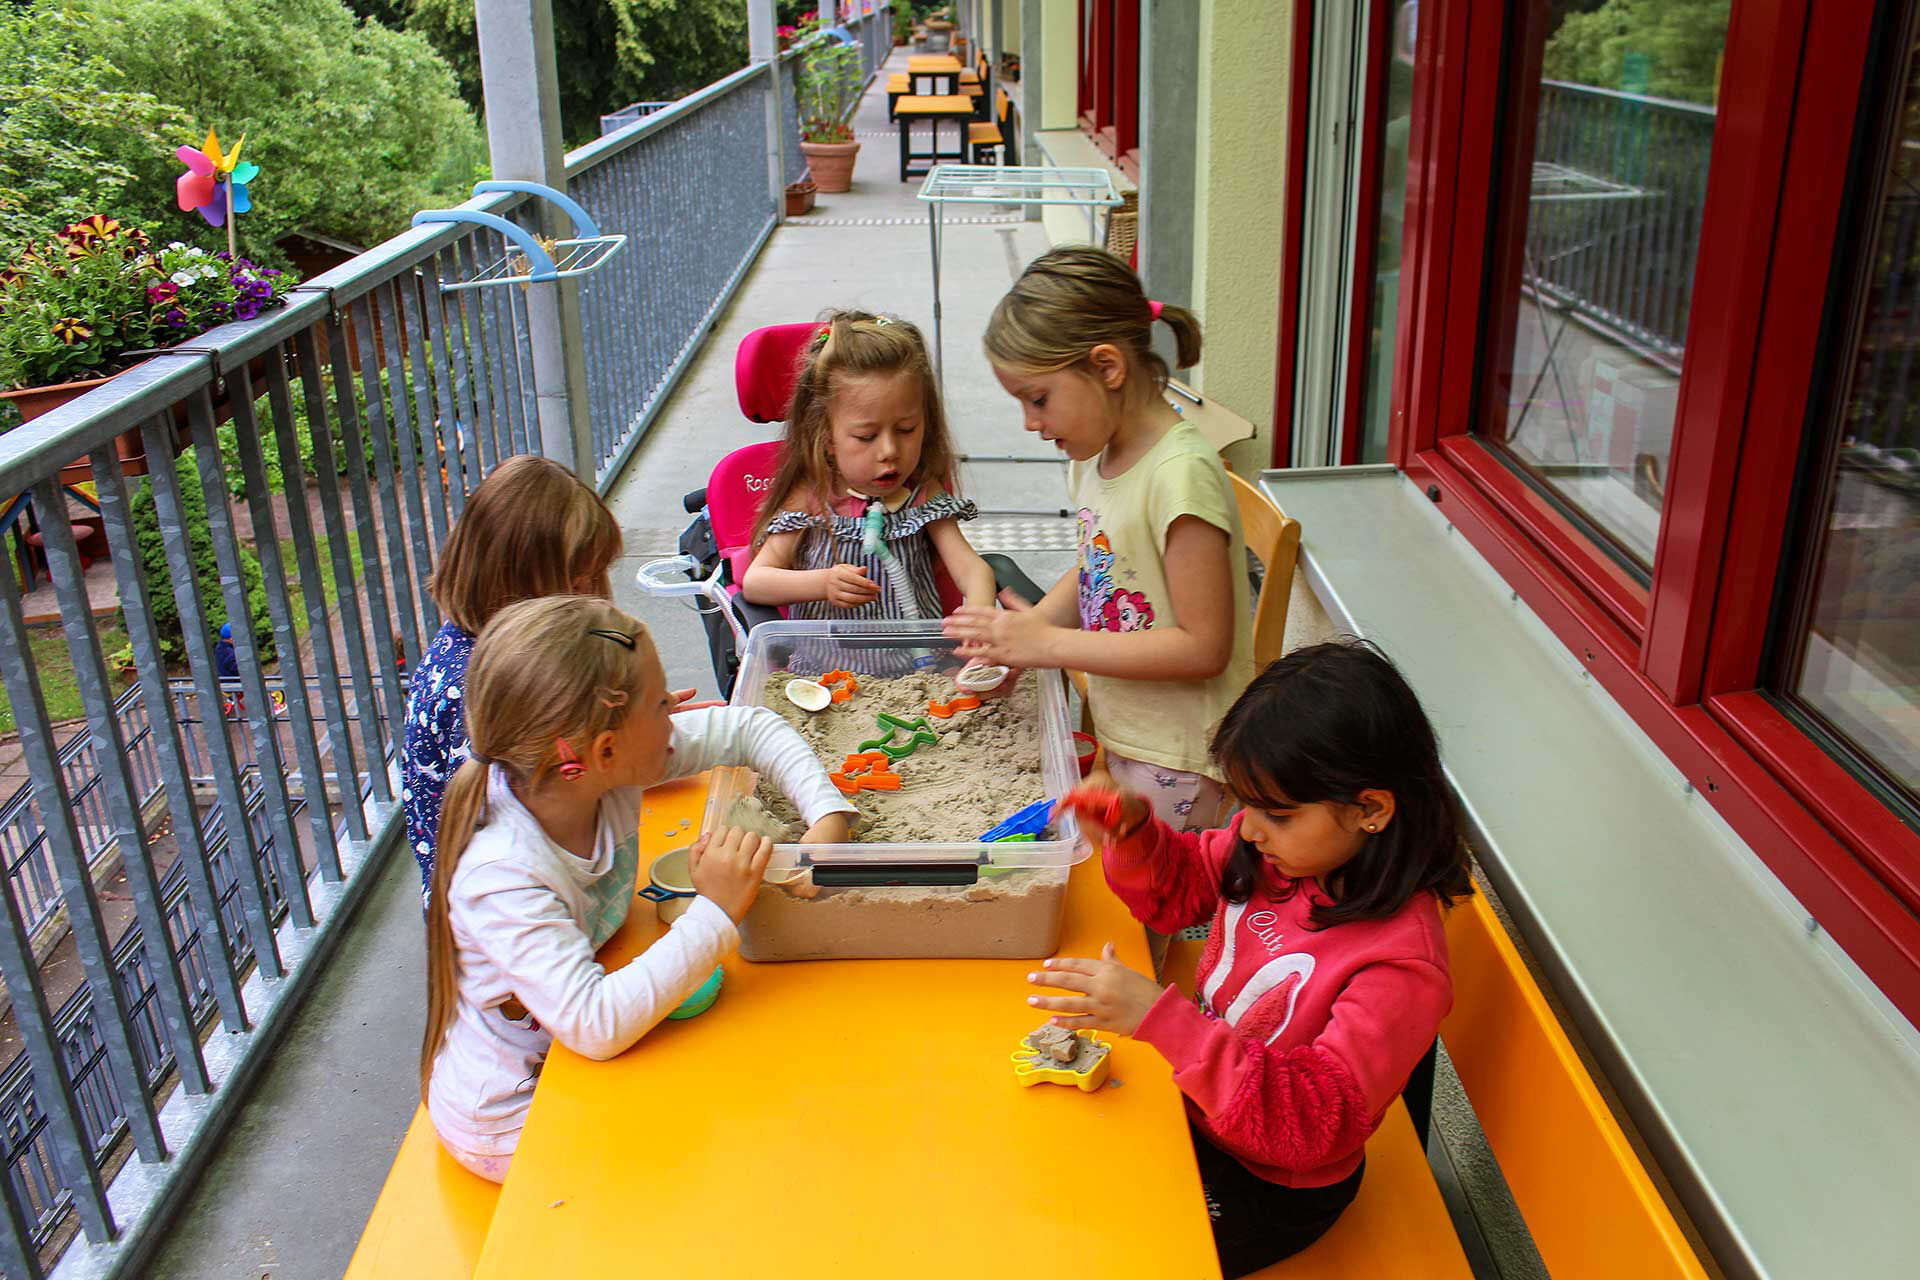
<point>566,707</point>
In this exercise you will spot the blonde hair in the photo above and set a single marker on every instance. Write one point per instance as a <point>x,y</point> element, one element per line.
<point>853,344</point>
<point>531,529</point>
<point>570,667</point>
<point>1074,299</point>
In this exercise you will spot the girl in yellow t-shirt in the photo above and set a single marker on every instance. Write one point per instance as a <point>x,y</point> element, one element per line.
<point>1157,613</point>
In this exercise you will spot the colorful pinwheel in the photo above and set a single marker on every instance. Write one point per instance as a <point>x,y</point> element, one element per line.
<point>215,183</point>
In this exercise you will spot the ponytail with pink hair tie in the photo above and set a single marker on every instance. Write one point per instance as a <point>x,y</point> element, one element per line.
<point>1153,307</point>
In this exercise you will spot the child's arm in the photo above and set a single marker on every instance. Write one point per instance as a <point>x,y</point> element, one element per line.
<point>1199,588</point>
<point>761,740</point>
<point>1168,879</point>
<point>973,575</point>
<point>772,580</point>
<point>1305,1106</point>
<point>525,929</point>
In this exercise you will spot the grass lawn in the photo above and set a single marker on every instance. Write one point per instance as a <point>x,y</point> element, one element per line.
<point>54,660</point>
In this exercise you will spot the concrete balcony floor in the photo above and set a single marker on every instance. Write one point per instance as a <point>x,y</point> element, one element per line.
<point>290,1190</point>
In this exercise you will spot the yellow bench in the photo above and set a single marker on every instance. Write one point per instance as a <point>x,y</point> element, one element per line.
<point>431,1218</point>
<point>1590,1206</point>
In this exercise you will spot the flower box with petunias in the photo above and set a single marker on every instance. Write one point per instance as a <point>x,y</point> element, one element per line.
<point>97,298</point>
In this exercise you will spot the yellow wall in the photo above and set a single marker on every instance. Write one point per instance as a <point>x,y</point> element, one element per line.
<point>1010,26</point>
<point>1239,206</point>
<point>1059,87</point>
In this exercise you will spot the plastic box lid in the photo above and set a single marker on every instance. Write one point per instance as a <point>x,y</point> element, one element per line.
<point>793,645</point>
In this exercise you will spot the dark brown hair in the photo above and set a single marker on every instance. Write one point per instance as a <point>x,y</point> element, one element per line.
<point>531,529</point>
<point>1325,723</point>
<point>853,344</point>
<point>1072,300</point>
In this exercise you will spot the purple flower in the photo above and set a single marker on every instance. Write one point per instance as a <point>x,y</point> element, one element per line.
<point>175,318</point>
<point>245,309</point>
<point>271,272</point>
<point>224,256</point>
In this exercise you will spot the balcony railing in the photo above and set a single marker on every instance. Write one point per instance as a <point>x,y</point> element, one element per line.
<point>1620,182</point>
<point>383,399</point>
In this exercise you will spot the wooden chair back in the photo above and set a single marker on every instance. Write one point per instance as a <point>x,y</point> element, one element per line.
<point>1274,539</point>
<point>1591,1207</point>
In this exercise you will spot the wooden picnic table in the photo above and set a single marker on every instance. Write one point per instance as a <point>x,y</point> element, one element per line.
<point>934,76</point>
<point>851,1118</point>
<point>934,109</point>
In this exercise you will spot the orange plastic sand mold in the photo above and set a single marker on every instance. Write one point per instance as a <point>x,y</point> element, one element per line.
<point>832,678</point>
<point>947,710</point>
<point>866,771</point>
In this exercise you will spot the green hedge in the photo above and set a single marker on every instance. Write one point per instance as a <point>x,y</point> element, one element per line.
<point>206,568</point>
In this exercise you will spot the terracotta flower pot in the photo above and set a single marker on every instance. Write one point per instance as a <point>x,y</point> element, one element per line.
<point>831,164</point>
<point>130,445</point>
<point>799,198</point>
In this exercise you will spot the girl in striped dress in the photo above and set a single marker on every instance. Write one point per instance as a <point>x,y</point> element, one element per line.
<point>866,440</point>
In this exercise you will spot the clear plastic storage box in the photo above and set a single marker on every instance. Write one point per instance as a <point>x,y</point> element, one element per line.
<point>871,901</point>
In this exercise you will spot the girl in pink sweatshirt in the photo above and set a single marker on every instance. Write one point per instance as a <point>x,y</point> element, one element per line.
<point>1324,977</point>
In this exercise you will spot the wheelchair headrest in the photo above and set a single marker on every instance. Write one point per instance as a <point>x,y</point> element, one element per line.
<point>735,490</point>
<point>766,367</point>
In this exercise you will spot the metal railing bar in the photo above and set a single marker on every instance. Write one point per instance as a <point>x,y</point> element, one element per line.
<point>346,584</point>
<point>407,444</point>
<point>456,400</point>
<point>90,939</point>
<point>191,853</point>
<point>373,571</point>
<point>383,475</point>
<point>110,759</point>
<point>286,635</point>
<point>600,150</point>
<point>433,448</point>
<point>485,403</point>
<point>259,717</point>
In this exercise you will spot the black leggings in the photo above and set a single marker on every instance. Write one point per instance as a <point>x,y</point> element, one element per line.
<point>1255,1222</point>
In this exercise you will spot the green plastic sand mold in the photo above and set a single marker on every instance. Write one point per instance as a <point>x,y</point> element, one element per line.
<point>921,731</point>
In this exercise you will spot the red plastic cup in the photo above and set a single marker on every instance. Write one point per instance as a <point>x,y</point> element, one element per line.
<point>1085,747</point>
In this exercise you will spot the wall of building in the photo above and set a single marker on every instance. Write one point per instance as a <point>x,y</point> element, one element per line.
<point>1010,17</point>
<point>1059,89</point>
<point>1239,206</point>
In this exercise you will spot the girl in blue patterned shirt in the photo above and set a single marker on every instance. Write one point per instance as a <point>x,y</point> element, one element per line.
<point>531,529</point>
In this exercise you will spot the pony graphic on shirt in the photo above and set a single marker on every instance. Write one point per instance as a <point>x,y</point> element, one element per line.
<point>1103,606</point>
<point>1248,1010</point>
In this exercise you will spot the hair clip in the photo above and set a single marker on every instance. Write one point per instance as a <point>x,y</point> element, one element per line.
<point>611,697</point>
<point>620,638</point>
<point>881,322</point>
<point>1154,307</point>
<point>570,767</point>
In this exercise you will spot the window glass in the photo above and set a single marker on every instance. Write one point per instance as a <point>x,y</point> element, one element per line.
<point>1610,114</point>
<point>1857,663</point>
<point>1396,117</point>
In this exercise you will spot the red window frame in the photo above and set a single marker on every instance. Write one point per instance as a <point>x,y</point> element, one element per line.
<point>1683,655</point>
<point>1109,80</point>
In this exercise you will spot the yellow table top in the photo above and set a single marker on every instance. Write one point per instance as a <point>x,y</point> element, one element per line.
<point>945,104</point>
<point>775,1136</point>
<point>933,64</point>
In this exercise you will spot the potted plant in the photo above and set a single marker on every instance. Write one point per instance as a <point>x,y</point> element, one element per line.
<point>96,299</point>
<point>828,86</point>
<point>800,197</point>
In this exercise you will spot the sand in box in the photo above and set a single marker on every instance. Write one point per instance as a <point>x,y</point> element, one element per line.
<point>1011,915</point>
<point>984,768</point>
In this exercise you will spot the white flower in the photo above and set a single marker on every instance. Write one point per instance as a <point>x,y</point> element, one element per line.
<point>209,272</point>
<point>183,278</point>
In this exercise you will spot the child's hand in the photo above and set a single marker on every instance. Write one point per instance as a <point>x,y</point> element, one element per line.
<point>683,701</point>
<point>727,867</point>
<point>1011,639</point>
<point>835,828</point>
<point>1104,812</point>
<point>1113,997</point>
<point>849,587</point>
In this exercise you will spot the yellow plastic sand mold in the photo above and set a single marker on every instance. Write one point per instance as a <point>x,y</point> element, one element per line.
<point>1028,1071</point>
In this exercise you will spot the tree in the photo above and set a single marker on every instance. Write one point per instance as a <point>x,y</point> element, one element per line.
<point>71,130</point>
<point>610,52</point>
<point>206,567</point>
<point>1681,41</point>
<point>354,125</point>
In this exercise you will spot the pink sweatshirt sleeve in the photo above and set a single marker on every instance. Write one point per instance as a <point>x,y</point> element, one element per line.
<point>1169,879</point>
<point>1307,1105</point>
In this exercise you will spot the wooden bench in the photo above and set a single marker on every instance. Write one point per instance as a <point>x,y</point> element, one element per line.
<point>431,1218</point>
<point>1593,1211</point>
<point>990,136</point>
